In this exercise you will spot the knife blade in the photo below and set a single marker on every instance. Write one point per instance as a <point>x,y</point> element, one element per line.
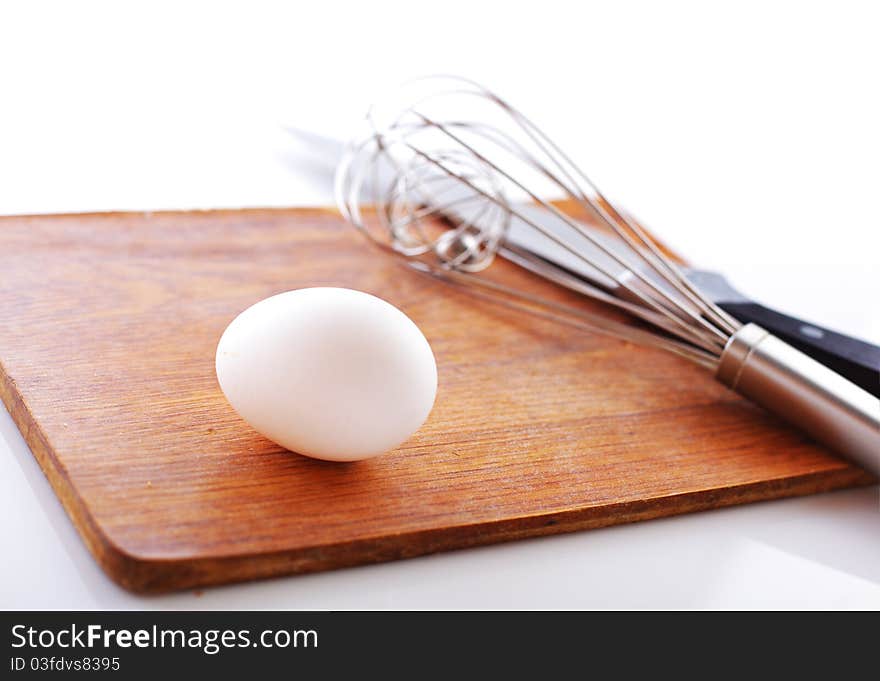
<point>855,359</point>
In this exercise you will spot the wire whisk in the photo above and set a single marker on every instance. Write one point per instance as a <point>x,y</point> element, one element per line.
<point>455,176</point>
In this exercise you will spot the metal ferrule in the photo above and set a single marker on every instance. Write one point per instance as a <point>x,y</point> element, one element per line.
<point>771,373</point>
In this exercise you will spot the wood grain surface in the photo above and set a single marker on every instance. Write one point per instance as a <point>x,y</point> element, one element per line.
<point>109,327</point>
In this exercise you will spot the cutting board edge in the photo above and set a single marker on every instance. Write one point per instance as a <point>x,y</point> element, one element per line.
<point>208,212</point>
<point>157,576</point>
<point>149,575</point>
<point>108,556</point>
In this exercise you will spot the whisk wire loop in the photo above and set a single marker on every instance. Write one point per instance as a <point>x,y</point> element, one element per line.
<point>479,177</point>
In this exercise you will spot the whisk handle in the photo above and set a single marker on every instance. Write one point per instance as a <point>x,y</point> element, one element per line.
<point>852,358</point>
<point>782,379</point>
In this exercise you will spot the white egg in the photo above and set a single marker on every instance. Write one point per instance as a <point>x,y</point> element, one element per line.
<point>331,373</point>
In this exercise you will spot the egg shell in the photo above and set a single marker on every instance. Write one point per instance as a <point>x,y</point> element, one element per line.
<point>331,373</point>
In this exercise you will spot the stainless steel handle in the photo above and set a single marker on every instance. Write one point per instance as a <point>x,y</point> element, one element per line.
<point>771,373</point>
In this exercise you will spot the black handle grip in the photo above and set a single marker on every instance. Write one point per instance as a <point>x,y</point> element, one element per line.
<point>852,358</point>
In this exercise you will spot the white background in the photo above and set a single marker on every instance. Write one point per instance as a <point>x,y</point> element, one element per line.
<point>745,135</point>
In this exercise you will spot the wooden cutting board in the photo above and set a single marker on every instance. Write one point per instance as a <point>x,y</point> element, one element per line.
<point>109,326</point>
